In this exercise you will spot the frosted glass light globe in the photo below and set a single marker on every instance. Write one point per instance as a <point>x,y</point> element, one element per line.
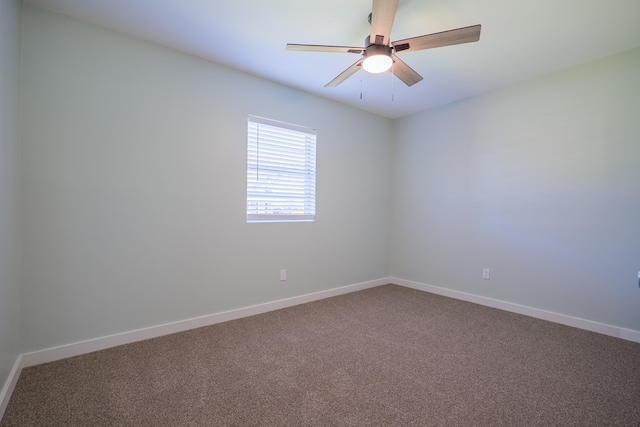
<point>377,63</point>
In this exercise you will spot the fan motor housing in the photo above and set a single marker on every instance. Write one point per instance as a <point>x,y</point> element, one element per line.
<point>375,49</point>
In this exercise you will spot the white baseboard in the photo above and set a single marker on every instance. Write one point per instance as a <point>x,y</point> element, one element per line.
<point>101,343</point>
<point>589,325</point>
<point>630,335</point>
<point>9,385</point>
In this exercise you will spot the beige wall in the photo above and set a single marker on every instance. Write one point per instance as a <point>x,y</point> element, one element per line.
<point>135,180</point>
<point>9,187</point>
<point>540,182</point>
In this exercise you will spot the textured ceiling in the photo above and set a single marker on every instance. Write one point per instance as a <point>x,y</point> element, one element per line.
<point>520,40</point>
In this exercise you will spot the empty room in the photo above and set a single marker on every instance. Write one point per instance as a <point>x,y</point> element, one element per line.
<point>363,213</point>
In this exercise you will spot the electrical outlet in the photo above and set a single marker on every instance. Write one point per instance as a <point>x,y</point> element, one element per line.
<point>283,274</point>
<point>486,273</point>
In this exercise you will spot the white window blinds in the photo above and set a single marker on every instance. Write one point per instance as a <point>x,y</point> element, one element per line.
<point>281,171</point>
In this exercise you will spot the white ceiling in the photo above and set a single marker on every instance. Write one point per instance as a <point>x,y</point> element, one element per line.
<point>520,39</point>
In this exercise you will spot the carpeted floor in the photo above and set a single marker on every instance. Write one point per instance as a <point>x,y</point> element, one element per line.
<point>387,356</point>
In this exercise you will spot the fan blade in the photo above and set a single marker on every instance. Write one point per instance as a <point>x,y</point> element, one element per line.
<point>345,74</point>
<point>405,73</point>
<point>445,38</point>
<point>323,48</point>
<point>382,16</point>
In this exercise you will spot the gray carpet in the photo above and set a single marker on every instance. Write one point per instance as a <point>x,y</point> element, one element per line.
<point>387,356</point>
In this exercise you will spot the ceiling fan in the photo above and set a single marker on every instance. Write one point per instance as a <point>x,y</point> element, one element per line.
<point>379,55</point>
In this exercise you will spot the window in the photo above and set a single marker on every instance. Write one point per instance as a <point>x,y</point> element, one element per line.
<point>281,171</point>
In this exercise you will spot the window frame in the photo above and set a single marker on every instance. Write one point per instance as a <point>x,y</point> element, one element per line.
<point>288,171</point>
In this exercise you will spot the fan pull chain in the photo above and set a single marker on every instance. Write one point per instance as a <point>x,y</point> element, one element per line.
<point>392,81</point>
<point>361,68</point>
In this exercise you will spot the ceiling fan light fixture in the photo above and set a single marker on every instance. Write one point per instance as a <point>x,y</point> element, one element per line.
<point>377,59</point>
<point>380,54</point>
<point>377,63</point>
